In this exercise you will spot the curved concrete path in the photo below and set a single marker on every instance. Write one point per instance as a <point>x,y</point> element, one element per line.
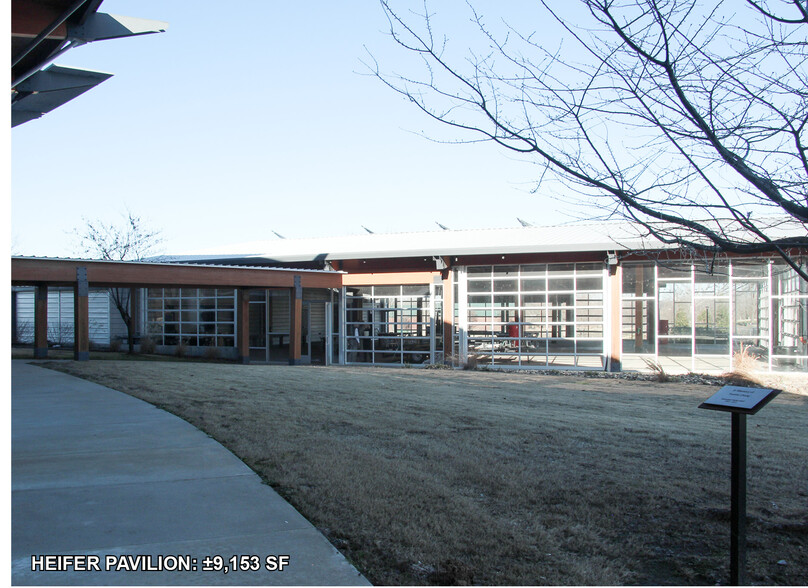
<point>101,474</point>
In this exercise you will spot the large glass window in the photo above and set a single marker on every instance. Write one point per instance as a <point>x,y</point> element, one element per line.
<point>639,328</point>
<point>789,319</point>
<point>748,313</point>
<point>535,315</point>
<point>191,316</point>
<point>390,324</point>
<point>711,312</point>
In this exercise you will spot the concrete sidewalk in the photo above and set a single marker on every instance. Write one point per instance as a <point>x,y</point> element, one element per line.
<point>98,473</point>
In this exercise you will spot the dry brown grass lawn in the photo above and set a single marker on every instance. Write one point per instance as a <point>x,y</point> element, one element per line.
<point>446,477</point>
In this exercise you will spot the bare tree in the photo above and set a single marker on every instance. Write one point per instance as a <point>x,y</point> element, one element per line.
<point>132,240</point>
<point>688,120</point>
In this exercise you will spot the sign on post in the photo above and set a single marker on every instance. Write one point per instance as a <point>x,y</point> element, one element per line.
<point>740,401</point>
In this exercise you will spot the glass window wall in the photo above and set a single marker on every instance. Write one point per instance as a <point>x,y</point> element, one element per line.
<point>391,324</point>
<point>196,317</point>
<point>789,305</point>
<point>748,314</point>
<point>536,315</point>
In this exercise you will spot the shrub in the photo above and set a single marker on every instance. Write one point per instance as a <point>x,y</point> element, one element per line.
<point>147,345</point>
<point>437,366</point>
<point>656,369</point>
<point>115,344</point>
<point>181,349</point>
<point>744,362</point>
<point>744,365</point>
<point>211,353</point>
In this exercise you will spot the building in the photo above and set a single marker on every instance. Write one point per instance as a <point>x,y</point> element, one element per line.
<point>583,297</point>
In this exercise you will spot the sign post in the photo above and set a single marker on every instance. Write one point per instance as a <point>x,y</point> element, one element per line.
<point>740,402</point>
<point>737,541</point>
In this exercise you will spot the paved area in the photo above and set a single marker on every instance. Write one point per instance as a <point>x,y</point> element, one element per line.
<point>140,492</point>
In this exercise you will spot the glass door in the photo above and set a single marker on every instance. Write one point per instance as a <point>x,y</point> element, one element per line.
<point>258,326</point>
<point>314,330</point>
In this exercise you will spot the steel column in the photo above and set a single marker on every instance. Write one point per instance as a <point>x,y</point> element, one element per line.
<point>614,323</point>
<point>448,318</point>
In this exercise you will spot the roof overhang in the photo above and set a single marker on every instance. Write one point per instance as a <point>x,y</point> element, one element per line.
<point>475,242</point>
<point>27,271</point>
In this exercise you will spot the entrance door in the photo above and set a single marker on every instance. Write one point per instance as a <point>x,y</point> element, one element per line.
<point>258,326</point>
<point>313,331</point>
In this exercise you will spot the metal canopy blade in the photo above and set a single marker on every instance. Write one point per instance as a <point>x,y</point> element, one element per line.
<point>49,89</point>
<point>101,26</point>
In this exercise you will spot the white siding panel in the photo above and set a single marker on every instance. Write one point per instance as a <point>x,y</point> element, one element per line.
<point>317,311</point>
<point>279,314</point>
<point>317,317</point>
<point>116,325</point>
<point>317,294</point>
<point>98,310</point>
<point>25,316</point>
<point>60,316</point>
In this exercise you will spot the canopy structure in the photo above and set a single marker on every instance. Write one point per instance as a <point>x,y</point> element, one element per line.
<point>82,274</point>
<point>41,31</point>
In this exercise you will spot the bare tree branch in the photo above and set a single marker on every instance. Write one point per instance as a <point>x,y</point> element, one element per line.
<point>132,240</point>
<point>689,122</point>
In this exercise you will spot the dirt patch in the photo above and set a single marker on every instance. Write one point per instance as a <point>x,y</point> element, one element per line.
<point>447,477</point>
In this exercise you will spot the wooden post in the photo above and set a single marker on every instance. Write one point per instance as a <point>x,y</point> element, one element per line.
<point>81,316</point>
<point>296,323</point>
<point>243,324</point>
<point>41,322</point>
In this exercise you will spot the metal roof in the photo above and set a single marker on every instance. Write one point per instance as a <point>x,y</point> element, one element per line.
<point>170,262</point>
<point>553,239</point>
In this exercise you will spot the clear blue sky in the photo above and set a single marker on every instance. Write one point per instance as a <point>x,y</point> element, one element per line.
<point>246,118</point>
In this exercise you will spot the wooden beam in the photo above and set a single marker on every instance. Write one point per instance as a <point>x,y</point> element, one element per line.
<point>25,271</point>
<point>28,19</point>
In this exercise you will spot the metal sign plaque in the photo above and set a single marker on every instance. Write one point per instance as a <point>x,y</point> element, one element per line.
<point>740,399</point>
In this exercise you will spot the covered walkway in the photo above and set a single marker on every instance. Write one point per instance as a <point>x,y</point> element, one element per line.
<point>43,273</point>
